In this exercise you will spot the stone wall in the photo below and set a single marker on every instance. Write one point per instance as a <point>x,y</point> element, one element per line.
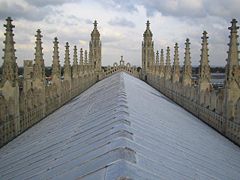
<point>219,108</point>
<point>122,67</point>
<point>26,102</point>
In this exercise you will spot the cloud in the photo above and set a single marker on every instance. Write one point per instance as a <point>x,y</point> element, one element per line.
<point>222,8</point>
<point>38,9</point>
<point>21,10</point>
<point>123,5</point>
<point>178,8</point>
<point>42,3</point>
<point>88,21</point>
<point>192,9</point>
<point>171,21</point>
<point>121,22</point>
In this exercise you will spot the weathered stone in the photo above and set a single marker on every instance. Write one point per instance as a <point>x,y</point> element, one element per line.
<point>187,67</point>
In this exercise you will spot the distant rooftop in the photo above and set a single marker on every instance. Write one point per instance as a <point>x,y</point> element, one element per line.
<point>120,128</point>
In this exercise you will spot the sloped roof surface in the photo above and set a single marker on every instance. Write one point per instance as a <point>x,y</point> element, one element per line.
<point>121,128</point>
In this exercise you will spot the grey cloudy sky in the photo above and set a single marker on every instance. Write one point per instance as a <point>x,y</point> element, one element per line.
<point>121,24</point>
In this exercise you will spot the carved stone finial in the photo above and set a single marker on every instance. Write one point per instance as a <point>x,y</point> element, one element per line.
<point>148,24</point>
<point>147,32</point>
<point>95,33</point>
<point>95,24</point>
<point>121,61</point>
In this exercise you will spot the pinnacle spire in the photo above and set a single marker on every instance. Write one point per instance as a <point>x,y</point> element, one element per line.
<point>232,75</point>
<point>75,58</point>
<point>75,62</point>
<point>204,62</point>
<point>187,57</point>
<point>10,68</point>
<point>161,63</point>
<point>176,67</point>
<point>187,67</point>
<point>157,58</point>
<point>204,50</point>
<point>39,68</point>
<point>38,48</point>
<point>176,55</point>
<point>204,69</point>
<point>168,59</point>
<point>85,57</point>
<point>67,65</point>
<point>161,58</point>
<point>81,56</point>
<point>167,73</point>
<point>233,48</point>
<point>56,68</point>
<point>67,55</point>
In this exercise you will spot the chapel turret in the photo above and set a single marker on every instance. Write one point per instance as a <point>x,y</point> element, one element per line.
<point>147,49</point>
<point>95,48</point>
